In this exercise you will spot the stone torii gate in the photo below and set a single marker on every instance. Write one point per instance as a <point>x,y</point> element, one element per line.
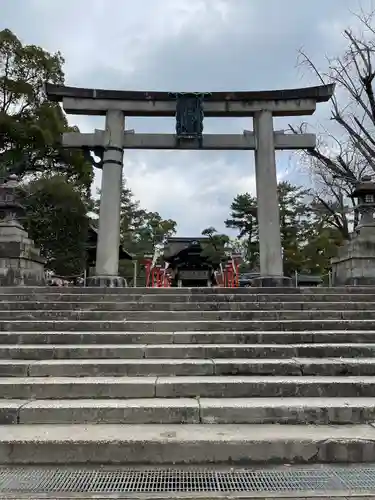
<point>189,110</point>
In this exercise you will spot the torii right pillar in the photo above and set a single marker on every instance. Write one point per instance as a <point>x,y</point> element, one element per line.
<point>270,250</point>
<point>302,102</point>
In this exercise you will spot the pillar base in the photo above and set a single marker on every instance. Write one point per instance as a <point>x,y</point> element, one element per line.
<point>273,282</point>
<point>107,281</point>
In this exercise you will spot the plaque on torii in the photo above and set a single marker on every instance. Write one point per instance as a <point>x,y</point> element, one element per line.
<point>189,116</point>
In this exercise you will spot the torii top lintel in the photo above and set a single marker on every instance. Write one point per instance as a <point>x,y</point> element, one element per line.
<point>79,100</point>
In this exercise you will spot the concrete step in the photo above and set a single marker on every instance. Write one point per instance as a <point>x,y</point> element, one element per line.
<point>33,290</point>
<point>107,306</point>
<point>196,315</point>
<point>186,387</point>
<point>190,326</point>
<point>181,367</point>
<point>185,351</point>
<point>108,367</point>
<point>318,411</point>
<point>145,444</point>
<point>226,296</point>
<point>145,338</point>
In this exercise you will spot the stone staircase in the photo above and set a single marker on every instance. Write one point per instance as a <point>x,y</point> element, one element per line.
<point>187,376</point>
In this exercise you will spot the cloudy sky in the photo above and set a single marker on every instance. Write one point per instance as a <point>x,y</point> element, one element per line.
<point>187,45</point>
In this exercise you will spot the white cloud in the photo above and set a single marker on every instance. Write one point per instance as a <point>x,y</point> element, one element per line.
<point>185,45</point>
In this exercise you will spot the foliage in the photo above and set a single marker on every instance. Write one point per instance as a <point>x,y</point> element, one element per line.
<point>216,248</point>
<point>294,223</point>
<point>30,125</point>
<point>56,220</point>
<point>307,238</point>
<point>141,231</point>
<point>243,218</point>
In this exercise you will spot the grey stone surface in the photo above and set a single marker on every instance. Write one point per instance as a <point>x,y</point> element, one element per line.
<point>318,411</point>
<point>185,444</point>
<point>20,261</point>
<point>189,292</point>
<point>192,357</point>
<point>355,260</point>
<point>121,367</point>
<point>77,351</point>
<point>265,386</point>
<point>273,281</point>
<point>191,316</point>
<point>141,306</point>
<point>189,367</point>
<point>77,388</point>
<point>116,411</point>
<point>183,351</point>
<point>191,326</point>
<point>107,281</point>
<point>295,366</point>
<point>120,338</point>
<point>9,411</point>
<point>93,338</point>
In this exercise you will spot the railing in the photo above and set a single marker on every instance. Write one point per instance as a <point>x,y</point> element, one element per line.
<point>156,276</point>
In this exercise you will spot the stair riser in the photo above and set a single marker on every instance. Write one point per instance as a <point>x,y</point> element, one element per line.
<point>169,451</point>
<point>110,316</point>
<point>189,368</point>
<point>62,309</point>
<point>177,326</point>
<point>188,414</point>
<point>135,415</point>
<point>31,290</point>
<point>148,389</point>
<point>61,338</point>
<point>187,352</point>
<point>268,389</point>
<point>79,390</point>
<point>242,295</point>
<point>112,370</point>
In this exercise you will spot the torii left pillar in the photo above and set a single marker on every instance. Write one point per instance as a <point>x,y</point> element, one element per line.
<point>107,253</point>
<point>270,249</point>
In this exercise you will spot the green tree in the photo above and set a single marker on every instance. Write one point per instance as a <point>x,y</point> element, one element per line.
<point>140,231</point>
<point>308,240</point>
<point>295,216</point>
<point>56,220</point>
<point>321,246</point>
<point>154,231</point>
<point>30,125</point>
<point>216,248</point>
<point>243,218</point>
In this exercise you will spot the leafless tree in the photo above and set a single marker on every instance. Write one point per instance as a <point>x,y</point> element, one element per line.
<point>342,158</point>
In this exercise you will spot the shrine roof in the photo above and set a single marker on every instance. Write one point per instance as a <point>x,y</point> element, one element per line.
<point>93,241</point>
<point>175,245</point>
<point>320,93</point>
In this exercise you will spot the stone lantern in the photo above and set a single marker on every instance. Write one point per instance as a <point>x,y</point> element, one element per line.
<point>364,193</point>
<point>20,260</point>
<point>10,208</point>
<point>355,262</point>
